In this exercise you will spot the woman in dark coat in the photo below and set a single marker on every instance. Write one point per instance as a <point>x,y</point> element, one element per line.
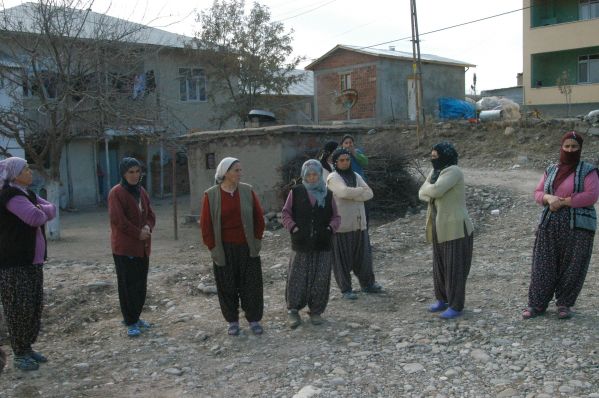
<point>131,223</point>
<point>310,215</point>
<point>23,216</point>
<point>564,240</point>
<point>232,224</point>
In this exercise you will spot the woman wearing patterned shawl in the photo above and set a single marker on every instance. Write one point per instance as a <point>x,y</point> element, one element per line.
<point>449,229</point>
<point>564,239</point>
<point>310,215</point>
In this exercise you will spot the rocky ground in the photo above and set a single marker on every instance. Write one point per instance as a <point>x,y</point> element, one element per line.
<point>384,345</point>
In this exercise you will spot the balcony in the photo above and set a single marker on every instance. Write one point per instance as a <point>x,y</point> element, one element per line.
<point>553,12</point>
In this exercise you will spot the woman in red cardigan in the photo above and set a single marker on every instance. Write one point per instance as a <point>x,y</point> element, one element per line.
<point>232,225</point>
<point>131,222</point>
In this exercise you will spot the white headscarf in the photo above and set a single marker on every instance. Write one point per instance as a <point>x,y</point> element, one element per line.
<point>222,168</point>
<point>10,169</point>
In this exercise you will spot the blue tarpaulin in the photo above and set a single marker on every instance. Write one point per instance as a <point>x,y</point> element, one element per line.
<point>453,108</point>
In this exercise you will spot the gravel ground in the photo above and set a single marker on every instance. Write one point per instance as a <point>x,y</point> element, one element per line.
<point>384,345</point>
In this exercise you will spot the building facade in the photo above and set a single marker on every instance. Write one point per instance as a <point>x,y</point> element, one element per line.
<point>381,83</point>
<point>561,43</point>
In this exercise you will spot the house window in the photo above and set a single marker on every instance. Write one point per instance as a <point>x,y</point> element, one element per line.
<point>49,85</point>
<point>588,9</point>
<point>588,68</point>
<point>192,84</point>
<point>345,81</point>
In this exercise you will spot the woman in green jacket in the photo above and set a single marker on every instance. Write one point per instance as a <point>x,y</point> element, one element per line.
<point>449,229</point>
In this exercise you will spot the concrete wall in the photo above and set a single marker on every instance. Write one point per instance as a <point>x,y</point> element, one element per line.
<point>262,152</point>
<point>438,81</point>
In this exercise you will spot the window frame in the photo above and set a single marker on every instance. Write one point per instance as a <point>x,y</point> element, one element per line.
<point>344,81</point>
<point>186,76</point>
<point>587,60</point>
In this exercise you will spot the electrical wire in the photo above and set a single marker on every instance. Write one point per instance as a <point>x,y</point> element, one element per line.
<point>449,27</point>
<point>306,12</point>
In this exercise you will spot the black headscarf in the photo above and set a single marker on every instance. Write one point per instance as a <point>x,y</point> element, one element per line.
<point>328,149</point>
<point>348,175</point>
<point>448,156</point>
<point>126,164</point>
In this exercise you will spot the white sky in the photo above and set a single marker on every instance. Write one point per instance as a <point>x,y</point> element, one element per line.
<point>494,45</point>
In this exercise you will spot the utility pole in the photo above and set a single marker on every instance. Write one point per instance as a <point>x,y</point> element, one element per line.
<point>417,68</point>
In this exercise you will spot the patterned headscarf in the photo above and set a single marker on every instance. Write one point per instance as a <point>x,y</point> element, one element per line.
<point>10,169</point>
<point>224,166</point>
<point>328,149</point>
<point>319,188</point>
<point>448,156</point>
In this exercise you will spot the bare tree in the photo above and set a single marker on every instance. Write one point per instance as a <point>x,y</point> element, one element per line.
<point>250,55</point>
<point>565,87</point>
<point>68,75</point>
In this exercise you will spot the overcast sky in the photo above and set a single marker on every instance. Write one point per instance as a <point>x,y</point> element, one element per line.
<point>494,45</point>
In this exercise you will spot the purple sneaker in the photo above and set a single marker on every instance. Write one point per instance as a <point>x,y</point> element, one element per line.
<point>450,313</point>
<point>438,306</point>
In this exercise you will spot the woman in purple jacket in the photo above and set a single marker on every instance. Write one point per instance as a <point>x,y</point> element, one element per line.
<point>23,215</point>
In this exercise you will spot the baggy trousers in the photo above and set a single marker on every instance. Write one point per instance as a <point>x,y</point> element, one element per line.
<point>352,252</point>
<point>239,280</point>
<point>560,262</point>
<point>309,281</point>
<point>451,266</point>
<point>22,292</point>
<point>132,278</point>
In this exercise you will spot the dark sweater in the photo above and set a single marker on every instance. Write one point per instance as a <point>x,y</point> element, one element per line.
<point>314,232</point>
<point>17,239</point>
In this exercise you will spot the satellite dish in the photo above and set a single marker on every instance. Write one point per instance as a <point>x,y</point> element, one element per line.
<point>343,102</point>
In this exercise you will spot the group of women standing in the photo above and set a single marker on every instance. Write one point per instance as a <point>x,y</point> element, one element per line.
<point>327,223</point>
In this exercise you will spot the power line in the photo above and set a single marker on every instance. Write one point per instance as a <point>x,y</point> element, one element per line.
<point>449,27</point>
<point>305,12</point>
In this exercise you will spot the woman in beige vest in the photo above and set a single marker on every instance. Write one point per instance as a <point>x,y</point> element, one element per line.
<point>449,229</point>
<point>232,224</point>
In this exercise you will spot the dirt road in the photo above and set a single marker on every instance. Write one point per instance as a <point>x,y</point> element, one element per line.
<point>379,346</point>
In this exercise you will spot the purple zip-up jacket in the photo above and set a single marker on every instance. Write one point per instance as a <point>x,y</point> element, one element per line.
<point>35,216</point>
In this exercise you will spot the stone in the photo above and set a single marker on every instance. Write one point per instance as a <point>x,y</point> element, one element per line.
<point>480,356</point>
<point>509,131</point>
<point>338,381</point>
<point>413,368</point>
<point>507,393</point>
<point>83,366</point>
<point>173,371</point>
<point>207,289</point>
<point>307,392</point>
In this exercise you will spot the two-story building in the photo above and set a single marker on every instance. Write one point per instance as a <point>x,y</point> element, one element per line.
<point>561,38</point>
<point>166,87</point>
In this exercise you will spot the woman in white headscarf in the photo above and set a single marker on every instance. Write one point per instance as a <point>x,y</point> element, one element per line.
<point>232,223</point>
<point>23,216</point>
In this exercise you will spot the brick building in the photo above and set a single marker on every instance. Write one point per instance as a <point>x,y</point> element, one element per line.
<point>380,85</point>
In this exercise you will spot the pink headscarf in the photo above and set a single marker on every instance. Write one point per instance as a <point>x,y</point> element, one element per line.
<point>10,168</point>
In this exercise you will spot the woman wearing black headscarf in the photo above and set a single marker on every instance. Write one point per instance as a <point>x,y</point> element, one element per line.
<point>351,244</point>
<point>131,222</point>
<point>564,238</point>
<point>449,229</point>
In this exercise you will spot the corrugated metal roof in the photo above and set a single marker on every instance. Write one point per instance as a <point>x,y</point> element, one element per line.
<point>306,86</point>
<point>22,19</point>
<point>377,52</point>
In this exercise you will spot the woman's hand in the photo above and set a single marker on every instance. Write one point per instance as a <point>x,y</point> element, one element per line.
<point>552,201</point>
